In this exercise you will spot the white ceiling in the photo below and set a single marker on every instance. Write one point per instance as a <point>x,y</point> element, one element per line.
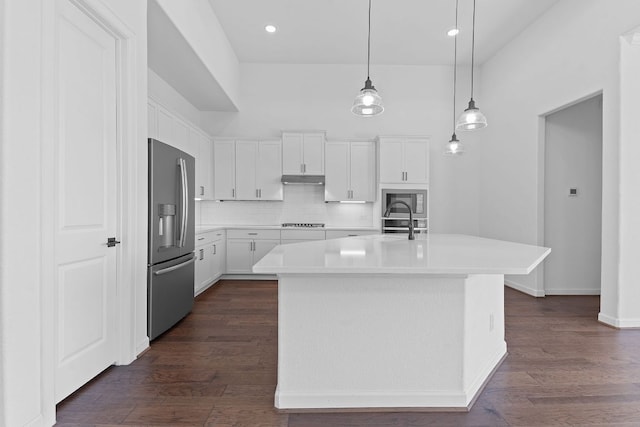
<point>410,32</point>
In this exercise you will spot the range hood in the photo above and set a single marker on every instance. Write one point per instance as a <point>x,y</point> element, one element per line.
<point>303,179</point>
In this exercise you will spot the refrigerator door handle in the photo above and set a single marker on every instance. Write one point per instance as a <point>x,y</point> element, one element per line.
<point>175,267</point>
<point>184,201</point>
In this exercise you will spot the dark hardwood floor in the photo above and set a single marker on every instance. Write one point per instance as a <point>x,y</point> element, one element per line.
<point>218,368</point>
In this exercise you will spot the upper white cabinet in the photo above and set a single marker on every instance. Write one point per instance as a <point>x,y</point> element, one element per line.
<point>404,160</point>
<point>258,170</point>
<point>167,127</point>
<point>303,153</point>
<point>350,173</point>
<point>248,170</point>
<point>224,167</point>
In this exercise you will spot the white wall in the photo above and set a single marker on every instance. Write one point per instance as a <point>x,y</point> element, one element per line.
<point>26,306</point>
<point>164,94</point>
<point>572,224</point>
<point>417,102</point>
<point>569,53</point>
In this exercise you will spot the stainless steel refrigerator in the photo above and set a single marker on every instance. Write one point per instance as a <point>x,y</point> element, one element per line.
<point>171,236</point>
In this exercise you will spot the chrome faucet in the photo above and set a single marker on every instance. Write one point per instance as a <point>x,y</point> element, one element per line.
<point>388,211</point>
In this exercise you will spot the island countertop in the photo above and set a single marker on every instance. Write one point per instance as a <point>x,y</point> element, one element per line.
<point>379,254</point>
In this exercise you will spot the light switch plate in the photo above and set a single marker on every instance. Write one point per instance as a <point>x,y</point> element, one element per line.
<point>573,192</point>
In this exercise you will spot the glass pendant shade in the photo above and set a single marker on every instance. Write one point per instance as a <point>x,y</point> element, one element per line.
<point>471,119</point>
<point>368,103</point>
<point>454,147</point>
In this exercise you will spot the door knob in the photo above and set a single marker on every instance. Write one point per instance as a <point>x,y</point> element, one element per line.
<point>111,242</point>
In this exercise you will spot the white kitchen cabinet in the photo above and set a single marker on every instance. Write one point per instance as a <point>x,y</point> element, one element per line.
<point>350,173</point>
<point>210,256</point>
<point>204,162</point>
<point>404,160</point>
<point>167,127</point>
<point>258,170</point>
<point>303,153</point>
<point>224,167</point>
<point>245,247</point>
<point>338,234</point>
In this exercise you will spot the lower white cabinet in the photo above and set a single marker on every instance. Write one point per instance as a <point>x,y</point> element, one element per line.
<point>245,247</point>
<point>299,236</point>
<point>210,259</point>
<point>337,234</point>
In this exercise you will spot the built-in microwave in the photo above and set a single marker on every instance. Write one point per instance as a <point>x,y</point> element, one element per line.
<point>417,199</point>
<point>398,219</point>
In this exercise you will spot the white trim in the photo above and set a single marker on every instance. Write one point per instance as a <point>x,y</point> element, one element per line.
<point>572,291</point>
<point>142,346</point>
<point>248,277</point>
<point>524,289</point>
<point>618,323</point>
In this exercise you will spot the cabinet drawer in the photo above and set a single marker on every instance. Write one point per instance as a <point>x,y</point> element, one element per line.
<point>337,234</point>
<point>203,239</point>
<point>253,234</point>
<point>302,235</point>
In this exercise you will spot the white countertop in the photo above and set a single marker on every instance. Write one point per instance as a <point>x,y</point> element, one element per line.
<point>428,254</point>
<point>208,228</point>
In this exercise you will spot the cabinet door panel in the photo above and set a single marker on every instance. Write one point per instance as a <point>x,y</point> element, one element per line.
<point>262,247</point>
<point>337,172</point>
<point>291,154</point>
<point>224,169</point>
<point>239,256</point>
<point>246,164</point>
<point>363,171</point>
<point>416,162</point>
<point>313,154</point>
<point>181,137</point>
<point>165,127</point>
<point>270,170</point>
<point>219,256</point>
<point>391,167</point>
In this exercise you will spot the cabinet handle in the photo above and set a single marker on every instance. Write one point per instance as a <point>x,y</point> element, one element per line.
<point>200,238</point>
<point>250,246</point>
<point>233,192</point>
<point>304,168</point>
<point>406,176</point>
<point>215,250</point>
<point>252,234</point>
<point>202,190</point>
<point>301,168</point>
<point>201,257</point>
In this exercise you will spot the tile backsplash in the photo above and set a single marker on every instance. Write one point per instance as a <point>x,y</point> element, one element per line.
<point>302,203</point>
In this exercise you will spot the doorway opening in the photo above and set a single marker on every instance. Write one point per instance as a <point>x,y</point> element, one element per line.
<point>573,198</point>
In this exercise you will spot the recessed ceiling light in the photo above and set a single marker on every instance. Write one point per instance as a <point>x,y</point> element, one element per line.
<point>453,32</point>
<point>270,28</point>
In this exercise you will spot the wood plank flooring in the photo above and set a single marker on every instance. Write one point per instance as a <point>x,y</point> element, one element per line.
<point>218,368</point>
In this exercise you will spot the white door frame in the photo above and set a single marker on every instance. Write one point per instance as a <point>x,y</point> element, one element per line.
<point>130,228</point>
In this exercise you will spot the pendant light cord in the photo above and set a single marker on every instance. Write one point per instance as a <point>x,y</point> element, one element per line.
<point>455,68</point>
<point>369,41</point>
<point>473,44</point>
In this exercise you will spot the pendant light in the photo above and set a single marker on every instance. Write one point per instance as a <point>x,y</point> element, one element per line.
<point>368,103</point>
<point>454,147</point>
<point>472,118</point>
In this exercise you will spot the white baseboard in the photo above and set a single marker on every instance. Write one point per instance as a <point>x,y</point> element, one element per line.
<point>142,346</point>
<point>572,291</point>
<point>618,323</point>
<point>524,289</point>
<point>248,277</point>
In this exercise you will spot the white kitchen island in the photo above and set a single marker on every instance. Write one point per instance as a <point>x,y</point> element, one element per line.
<point>381,322</point>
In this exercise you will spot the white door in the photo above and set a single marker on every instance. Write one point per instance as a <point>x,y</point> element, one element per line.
<point>313,152</point>
<point>269,179</point>
<point>224,169</point>
<point>363,171</point>
<point>246,165</point>
<point>337,172</point>
<point>85,201</point>
<point>416,159</point>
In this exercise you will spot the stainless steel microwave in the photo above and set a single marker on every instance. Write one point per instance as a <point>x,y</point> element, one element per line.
<point>417,199</point>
